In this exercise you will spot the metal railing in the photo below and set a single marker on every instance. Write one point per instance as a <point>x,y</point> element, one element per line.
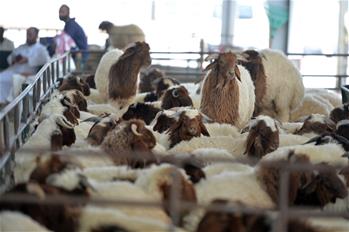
<point>15,118</point>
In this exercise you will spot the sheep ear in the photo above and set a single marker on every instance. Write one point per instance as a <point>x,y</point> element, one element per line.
<point>212,57</point>
<point>237,73</point>
<point>129,52</point>
<point>251,139</point>
<point>210,66</point>
<point>204,130</point>
<point>134,129</point>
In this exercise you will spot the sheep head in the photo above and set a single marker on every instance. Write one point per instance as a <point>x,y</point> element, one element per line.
<point>100,129</point>
<point>147,79</point>
<point>263,137</point>
<point>71,112</point>
<point>330,138</point>
<point>64,135</point>
<point>54,164</point>
<point>176,97</point>
<point>340,113</point>
<point>324,187</point>
<point>162,122</point>
<point>77,98</point>
<point>224,65</point>
<point>188,125</point>
<point>75,82</point>
<point>144,139</point>
<point>142,111</point>
<point>162,84</point>
<point>318,124</point>
<point>139,50</point>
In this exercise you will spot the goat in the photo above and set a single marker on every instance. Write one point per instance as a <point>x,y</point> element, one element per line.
<point>228,91</point>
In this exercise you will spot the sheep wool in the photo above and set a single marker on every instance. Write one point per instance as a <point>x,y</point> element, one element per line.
<point>15,221</point>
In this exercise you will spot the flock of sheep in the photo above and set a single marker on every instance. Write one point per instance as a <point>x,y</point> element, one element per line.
<point>117,135</point>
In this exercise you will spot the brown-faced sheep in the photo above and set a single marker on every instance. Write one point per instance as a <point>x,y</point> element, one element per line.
<point>228,91</point>
<point>147,78</point>
<point>75,82</point>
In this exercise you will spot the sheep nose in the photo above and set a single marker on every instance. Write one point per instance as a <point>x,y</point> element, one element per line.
<point>192,130</point>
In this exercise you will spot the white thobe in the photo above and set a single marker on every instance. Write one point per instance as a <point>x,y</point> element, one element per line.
<point>37,55</point>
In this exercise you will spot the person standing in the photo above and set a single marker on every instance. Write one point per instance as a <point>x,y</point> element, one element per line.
<point>5,44</point>
<point>75,31</point>
<point>24,60</point>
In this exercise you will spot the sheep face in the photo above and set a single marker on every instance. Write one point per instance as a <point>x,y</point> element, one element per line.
<point>144,139</point>
<point>324,187</point>
<point>318,124</point>
<point>75,82</point>
<point>270,176</point>
<point>63,135</point>
<point>148,78</point>
<point>139,50</point>
<point>186,128</point>
<point>55,164</point>
<point>263,137</point>
<point>225,66</point>
<point>163,122</point>
<point>176,97</point>
<point>141,111</point>
<point>330,138</point>
<point>340,113</point>
<point>71,112</point>
<point>100,129</point>
<point>162,84</point>
<point>77,98</point>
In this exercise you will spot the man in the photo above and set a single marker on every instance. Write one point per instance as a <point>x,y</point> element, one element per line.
<point>24,60</point>
<point>5,44</point>
<point>121,36</point>
<point>75,31</point>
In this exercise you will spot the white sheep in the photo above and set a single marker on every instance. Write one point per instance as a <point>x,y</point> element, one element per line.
<point>334,98</point>
<point>39,143</point>
<point>278,84</point>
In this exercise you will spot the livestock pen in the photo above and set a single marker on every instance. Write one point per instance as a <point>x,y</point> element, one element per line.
<point>18,116</point>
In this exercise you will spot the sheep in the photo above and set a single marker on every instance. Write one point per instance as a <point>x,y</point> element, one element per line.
<point>187,124</point>
<point>60,104</point>
<point>102,72</point>
<point>122,36</point>
<point>311,104</point>
<point>222,129</point>
<point>316,124</point>
<point>304,185</point>
<point>340,113</point>
<point>144,111</point>
<point>74,82</point>
<point>278,84</point>
<point>100,129</point>
<point>16,221</point>
<point>175,96</point>
<point>123,75</point>
<point>332,97</point>
<point>159,181</point>
<point>77,98</point>
<point>147,78</point>
<point>228,91</point>
<point>239,221</point>
<point>52,134</point>
<point>342,128</point>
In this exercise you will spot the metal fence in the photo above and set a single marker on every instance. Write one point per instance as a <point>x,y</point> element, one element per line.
<point>15,118</point>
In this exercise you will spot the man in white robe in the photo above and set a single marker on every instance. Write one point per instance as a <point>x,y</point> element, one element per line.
<point>24,60</point>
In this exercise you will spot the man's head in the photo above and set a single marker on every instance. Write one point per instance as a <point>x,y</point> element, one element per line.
<point>105,26</point>
<point>64,13</point>
<point>32,35</point>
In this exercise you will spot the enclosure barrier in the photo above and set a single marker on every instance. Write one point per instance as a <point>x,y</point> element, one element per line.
<point>15,118</point>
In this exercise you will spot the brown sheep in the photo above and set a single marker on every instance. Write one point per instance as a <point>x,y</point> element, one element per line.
<point>186,127</point>
<point>263,137</point>
<point>75,82</point>
<point>145,84</point>
<point>123,75</point>
<point>76,97</point>
<point>175,97</point>
<point>317,124</point>
<point>100,129</point>
<point>228,91</point>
